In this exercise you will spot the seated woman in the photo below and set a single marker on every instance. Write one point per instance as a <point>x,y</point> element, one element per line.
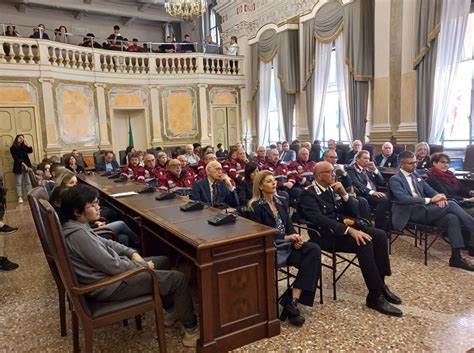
<point>94,259</point>
<point>268,208</point>
<point>245,187</point>
<point>422,153</point>
<point>71,164</point>
<point>445,182</point>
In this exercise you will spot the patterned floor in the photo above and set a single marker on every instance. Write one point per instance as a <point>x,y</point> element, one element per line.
<point>438,308</point>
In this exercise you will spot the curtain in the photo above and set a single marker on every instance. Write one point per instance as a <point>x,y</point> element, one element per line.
<point>267,45</point>
<point>426,44</point>
<point>278,97</point>
<point>288,75</point>
<point>265,71</point>
<point>454,18</point>
<point>254,64</point>
<point>342,79</point>
<point>320,81</point>
<point>359,43</point>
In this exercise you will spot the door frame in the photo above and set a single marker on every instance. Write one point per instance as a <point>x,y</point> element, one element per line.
<point>239,117</point>
<point>147,124</point>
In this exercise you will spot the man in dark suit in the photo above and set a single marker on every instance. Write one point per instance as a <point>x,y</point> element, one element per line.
<point>366,178</point>
<point>387,159</point>
<point>356,148</point>
<point>39,32</point>
<point>287,156</point>
<point>408,189</point>
<point>318,205</point>
<point>109,164</point>
<point>216,189</point>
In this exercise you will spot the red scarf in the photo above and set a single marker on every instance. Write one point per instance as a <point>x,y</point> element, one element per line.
<point>446,177</point>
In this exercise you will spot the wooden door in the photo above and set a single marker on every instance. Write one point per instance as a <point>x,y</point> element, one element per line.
<point>225,126</point>
<point>14,121</point>
<point>232,133</point>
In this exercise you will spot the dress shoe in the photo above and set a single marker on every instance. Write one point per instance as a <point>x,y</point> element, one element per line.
<point>470,250</point>
<point>6,229</point>
<point>296,320</point>
<point>390,296</point>
<point>6,265</point>
<point>461,263</point>
<point>291,307</point>
<point>381,304</point>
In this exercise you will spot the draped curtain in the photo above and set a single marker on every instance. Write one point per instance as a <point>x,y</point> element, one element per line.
<point>342,79</point>
<point>426,44</point>
<point>453,23</point>
<point>359,43</point>
<point>265,72</point>
<point>320,80</point>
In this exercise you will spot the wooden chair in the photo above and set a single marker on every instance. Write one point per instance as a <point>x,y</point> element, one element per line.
<point>397,149</point>
<point>436,148</point>
<point>33,179</point>
<point>369,147</point>
<point>39,192</point>
<point>91,313</point>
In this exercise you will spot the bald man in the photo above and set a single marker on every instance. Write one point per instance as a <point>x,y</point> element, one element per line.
<point>319,206</point>
<point>176,179</point>
<point>217,189</point>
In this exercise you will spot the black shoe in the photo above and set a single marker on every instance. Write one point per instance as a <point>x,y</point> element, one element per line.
<point>461,263</point>
<point>291,307</point>
<point>390,296</point>
<point>296,320</point>
<point>381,304</point>
<point>7,229</point>
<point>6,265</point>
<point>470,250</point>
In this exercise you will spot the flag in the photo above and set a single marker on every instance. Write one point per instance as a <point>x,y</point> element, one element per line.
<point>130,133</point>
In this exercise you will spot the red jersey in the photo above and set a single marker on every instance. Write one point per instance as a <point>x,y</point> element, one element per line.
<point>280,172</point>
<point>301,173</point>
<point>173,183</point>
<point>201,174</point>
<point>134,173</point>
<point>233,169</point>
<point>155,173</point>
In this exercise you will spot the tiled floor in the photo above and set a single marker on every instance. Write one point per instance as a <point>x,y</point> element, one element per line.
<point>438,308</point>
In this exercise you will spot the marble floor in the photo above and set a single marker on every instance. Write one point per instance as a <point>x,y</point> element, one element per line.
<point>438,308</point>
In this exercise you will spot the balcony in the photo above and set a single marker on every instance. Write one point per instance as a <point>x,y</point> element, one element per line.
<point>24,57</point>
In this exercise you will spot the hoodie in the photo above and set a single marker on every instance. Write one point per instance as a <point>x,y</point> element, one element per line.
<point>94,258</point>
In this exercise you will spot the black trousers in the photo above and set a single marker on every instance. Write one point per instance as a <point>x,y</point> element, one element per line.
<point>373,256</point>
<point>173,287</point>
<point>307,260</point>
<point>381,205</point>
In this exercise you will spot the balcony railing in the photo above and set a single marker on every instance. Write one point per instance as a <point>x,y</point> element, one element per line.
<point>25,51</point>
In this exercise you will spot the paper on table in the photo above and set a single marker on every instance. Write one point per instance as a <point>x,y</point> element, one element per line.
<point>123,194</point>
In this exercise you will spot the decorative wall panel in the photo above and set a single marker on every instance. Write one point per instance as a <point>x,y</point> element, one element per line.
<point>76,115</point>
<point>222,95</point>
<point>127,98</point>
<point>179,113</point>
<point>11,93</point>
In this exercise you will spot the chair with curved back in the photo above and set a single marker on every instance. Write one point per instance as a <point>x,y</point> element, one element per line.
<point>436,148</point>
<point>469,158</point>
<point>36,194</point>
<point>92,313</point>
<point>33,179</point>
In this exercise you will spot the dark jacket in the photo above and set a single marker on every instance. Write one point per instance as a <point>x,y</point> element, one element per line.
<point>201,191</point>
<point>391,162</point>
<point>20,155</point>
<point>245,191</point>
<point>36,35</point>
<point>263,214</point>
<point>425,163</point>
<point>360,183</point>
<point>451,192</point>
<point>79,169</point>
<point>101,167</point>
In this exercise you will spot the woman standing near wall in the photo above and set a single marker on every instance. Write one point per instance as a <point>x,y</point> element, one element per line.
<point>21,164</point>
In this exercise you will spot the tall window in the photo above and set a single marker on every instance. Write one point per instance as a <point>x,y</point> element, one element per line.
<point>214,29</point>
<point>333,127</point>
<point>458,131</point>
<point>274,130</point>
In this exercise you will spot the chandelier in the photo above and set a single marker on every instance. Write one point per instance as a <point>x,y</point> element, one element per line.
<point>185,8</point>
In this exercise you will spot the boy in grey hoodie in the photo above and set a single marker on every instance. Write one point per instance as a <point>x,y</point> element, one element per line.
<point>95,258</point>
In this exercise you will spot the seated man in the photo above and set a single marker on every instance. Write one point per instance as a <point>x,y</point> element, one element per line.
<point>366,177</point>
<point>185,166</point>
<point>168,47</point>
<point>387,159</point>
<point>209,157</point>
<point>133,170</point>
<point>217,188</point>
<point>176,179</point>
<point>242,161</point>
<point>151,170</point>
<point>408,189</point>
<point>301,170</point>
<point>109,164</point>
<point>162,160</point>
<point>94,259</point>
<point>350,156</point>
<point>280,172</point>
<point>343,177</point>
<point>319,206</point>
<point>261,160</point>
<point>287,156</point>
<point>187,46</point>
<point>191,157</point>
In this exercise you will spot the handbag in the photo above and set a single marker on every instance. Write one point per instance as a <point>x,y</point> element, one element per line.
<point>283,249</point>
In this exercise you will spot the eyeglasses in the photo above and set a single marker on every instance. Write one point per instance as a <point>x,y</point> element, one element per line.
<point>332,171</point>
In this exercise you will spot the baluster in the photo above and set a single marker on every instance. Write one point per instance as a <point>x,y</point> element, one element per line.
<point>11,54</point>
<point>21,55</point>
<point>2,54</point>
<point>52,57</point>
<point>72,59</point>
<point>29,54</point>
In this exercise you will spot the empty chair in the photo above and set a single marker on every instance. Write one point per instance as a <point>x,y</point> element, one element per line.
<point>436,148</point>
<point>397,149</point>
<point>469,158</point>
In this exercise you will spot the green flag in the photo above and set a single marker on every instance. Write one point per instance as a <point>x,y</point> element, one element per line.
<point>130,133</point>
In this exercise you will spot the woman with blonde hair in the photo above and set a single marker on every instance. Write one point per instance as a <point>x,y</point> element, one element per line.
<point>422,153</point>
<point>266,207</point>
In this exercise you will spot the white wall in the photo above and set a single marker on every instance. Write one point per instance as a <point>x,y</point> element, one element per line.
<point>102,27</point>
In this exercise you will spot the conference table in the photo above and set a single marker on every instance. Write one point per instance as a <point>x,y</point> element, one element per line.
<point>235,263</point>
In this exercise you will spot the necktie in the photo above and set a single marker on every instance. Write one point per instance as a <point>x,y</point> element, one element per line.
<point>415,186</point>
<point>214,193</point>
<point>382,163</point>
<point>369,181</point>
<point>283,156</point>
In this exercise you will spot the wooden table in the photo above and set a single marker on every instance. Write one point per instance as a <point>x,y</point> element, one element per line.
<point>235,263</point>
